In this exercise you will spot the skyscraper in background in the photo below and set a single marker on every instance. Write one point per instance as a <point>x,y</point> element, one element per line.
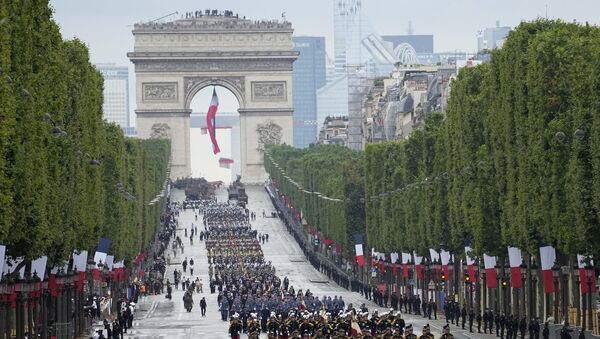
<point>116,95</point>
<point>360,55</point>
<point>493,37</point>
<point>309,76</point>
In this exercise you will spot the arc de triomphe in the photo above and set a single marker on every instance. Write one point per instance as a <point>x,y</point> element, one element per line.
<point>253,59</point>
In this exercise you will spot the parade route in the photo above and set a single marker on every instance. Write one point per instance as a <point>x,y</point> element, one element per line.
<point>161,318</point>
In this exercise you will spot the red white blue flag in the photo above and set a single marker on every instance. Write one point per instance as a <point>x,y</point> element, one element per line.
<point>358,246</point>
<point>211,123</point>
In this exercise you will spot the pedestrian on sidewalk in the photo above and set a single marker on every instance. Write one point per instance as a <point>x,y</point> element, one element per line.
<point>184,264</point>
<point>191,266</point>
<point>203,306</point>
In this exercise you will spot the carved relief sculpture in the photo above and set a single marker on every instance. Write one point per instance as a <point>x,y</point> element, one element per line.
<point>160,92</point>
<point>269,91</point>
<point>269,133</point>
<point>160,131</point>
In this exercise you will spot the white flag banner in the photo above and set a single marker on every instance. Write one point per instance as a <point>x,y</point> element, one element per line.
<point>445,255</point>
<point>11,265</point>
<point>434,255</point>
<point>100,257</point>
<point>2,260</point>
<point>418,259</point>
<point>80,261</point>
<point>394,257</point>
<point>405,258</point>
<point>110,259</point>
<point>38,266</point>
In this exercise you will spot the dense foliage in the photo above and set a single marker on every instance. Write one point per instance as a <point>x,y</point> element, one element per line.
<point>333,171</point>
<point>516,161</point>
<point>63,191</point>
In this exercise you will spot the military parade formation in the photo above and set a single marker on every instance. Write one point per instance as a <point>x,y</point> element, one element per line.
<point>254,300</point>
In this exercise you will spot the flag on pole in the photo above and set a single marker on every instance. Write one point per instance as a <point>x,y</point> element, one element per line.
<point>445,256</point>
<point>582,274</point>
<point>211,123</point>
<point>405,260</point>
<point>515,259</point>
<point>490,271</point>
<point>418,266</point>
<point>470,264</point>
<point>393,259</point>
<point>358,246</point>
<point>547,257</point>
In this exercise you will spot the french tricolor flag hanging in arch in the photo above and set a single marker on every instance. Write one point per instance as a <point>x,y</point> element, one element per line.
<point>211,123</point>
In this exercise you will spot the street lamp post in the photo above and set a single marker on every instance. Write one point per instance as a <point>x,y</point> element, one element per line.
<point>532,289</point>
<point>411,268</point>
<point>437,266</point>
<point>450,278</point>
<point>580,304</point>
<point>589,274</point>
<point>555,276</point>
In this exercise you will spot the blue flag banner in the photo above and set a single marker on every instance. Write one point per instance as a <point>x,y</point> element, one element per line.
<point>103,245</point>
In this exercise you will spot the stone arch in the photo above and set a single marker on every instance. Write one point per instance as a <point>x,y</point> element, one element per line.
<point>235,85</point>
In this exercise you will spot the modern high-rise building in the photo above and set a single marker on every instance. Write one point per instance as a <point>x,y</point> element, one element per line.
<point>491,38</point>
<point>309,76</point>
<point>116,94</point>
<point>421,43</point>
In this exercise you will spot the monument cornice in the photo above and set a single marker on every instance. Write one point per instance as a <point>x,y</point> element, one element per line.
<point>229,65</point>
<point>135,56</point>
<point>284,111</point>
<point>164,112</point>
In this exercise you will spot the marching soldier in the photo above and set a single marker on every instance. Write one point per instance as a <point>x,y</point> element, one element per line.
<point>447,334</point>
<point>409,333</point>
<point>427,333</point>
<point>235,327</point>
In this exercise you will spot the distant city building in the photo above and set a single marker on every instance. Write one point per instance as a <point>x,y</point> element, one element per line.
<point>334,131</point>
<point>116,94</point>
<point>130,131</point>
<point>400,103</point>
<point>309,76</point>
<point>421,43</point>
<point>492,38</point>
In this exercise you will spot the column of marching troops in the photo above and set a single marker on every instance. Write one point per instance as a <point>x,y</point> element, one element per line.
<point>254,300</point>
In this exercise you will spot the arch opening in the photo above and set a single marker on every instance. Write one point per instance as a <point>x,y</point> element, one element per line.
<point>226,165</point>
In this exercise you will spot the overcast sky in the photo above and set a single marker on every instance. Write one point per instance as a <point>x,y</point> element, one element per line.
<point>106,25</point>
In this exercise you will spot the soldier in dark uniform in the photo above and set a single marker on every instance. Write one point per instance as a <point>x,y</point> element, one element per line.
<point>426,333</point>
<point>463,315</point>
<point>446,334</point>
<point>502,323</point>
<point>486,320</point>
<point>523,327</point>
<point>471,318</point>
<point>478,319</point>
<point>306,328</point>
<point>283,331</point>
<point>235,327</point>
<point>272,325</point>
<point>409,333</point>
